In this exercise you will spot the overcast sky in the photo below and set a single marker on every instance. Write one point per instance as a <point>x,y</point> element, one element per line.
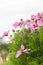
<point>12,10</point>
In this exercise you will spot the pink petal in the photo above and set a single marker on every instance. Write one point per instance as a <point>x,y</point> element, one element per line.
<point>18,53</point>
<point>27,51</point>
<point>40,23</point>
<point>24,23</point>
<point>15,25</point>
<point>33,16</point>
<point>22,47</point>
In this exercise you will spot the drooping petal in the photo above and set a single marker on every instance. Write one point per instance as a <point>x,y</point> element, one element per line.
<point>18,53</point>
<point>22,47</point>
<point>27,51</point>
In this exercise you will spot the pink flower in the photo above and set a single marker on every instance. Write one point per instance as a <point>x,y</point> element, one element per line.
<point>40,23</point>
<point>34,17</point>
<point>22,50</point>
<point>5,33</point>
<point>40,15</point>
<point>18,24</point>
<point>34,26</point>
<point>29,24</point>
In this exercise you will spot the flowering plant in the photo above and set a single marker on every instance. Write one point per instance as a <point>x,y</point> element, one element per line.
<point>26,47</point>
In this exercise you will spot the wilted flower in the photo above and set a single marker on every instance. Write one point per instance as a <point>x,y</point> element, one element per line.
<point>22,50</point>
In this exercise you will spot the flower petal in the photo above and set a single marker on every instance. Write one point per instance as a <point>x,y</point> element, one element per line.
<point>27,51</point>
<point>15,25</point>
<point>18,53</point>
<point>22,47</point>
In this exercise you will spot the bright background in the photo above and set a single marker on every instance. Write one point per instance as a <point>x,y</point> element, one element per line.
<point>13,10</point>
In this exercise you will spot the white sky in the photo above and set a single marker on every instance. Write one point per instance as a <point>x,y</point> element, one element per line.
<point>12,10</point>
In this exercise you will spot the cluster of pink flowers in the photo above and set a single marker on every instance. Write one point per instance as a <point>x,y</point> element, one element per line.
<point>33,24</point>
